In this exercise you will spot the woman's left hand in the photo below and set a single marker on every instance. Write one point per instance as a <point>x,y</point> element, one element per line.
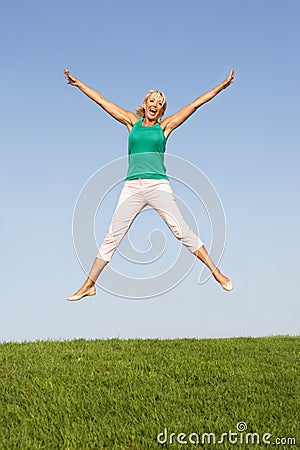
<point>229,79</point>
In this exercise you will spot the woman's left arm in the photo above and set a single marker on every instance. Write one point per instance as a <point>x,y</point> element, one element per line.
<point>170,123</point>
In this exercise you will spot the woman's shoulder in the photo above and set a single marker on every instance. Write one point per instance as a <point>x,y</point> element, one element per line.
<point>134,122</point>
<point>164,123</point>
<point>138,122</point>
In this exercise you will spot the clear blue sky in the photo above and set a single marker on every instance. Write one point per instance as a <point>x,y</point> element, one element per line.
<point>246,141</point>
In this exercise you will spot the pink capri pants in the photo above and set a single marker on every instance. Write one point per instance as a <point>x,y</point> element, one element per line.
<point>135,195</point>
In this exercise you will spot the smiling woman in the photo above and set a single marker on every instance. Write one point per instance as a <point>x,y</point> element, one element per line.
<point>147,182</point>
<point>152,99</point>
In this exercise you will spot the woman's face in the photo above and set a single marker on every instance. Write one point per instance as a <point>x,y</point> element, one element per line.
<point>154,107</point>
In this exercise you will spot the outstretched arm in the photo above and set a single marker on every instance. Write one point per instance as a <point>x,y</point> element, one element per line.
<point>126,117</point>
<point>174,121</point>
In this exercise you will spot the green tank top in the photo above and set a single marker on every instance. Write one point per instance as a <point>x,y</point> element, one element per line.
<point>146,148</point>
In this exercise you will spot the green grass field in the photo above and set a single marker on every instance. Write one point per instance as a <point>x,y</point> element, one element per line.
<point>137,394</point>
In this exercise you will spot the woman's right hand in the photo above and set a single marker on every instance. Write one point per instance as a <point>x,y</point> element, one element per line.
<point>126,117</point>
<point>71,80</point>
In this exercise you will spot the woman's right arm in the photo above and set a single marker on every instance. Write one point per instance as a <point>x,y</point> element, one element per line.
<point>128,118</point>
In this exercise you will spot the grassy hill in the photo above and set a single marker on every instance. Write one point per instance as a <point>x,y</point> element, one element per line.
<point>240,393</point>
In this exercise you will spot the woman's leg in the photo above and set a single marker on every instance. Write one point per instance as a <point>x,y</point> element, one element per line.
<point>130,203</point>
<point>225,282</point>
<point>88,287</point>
<point>162,199</point>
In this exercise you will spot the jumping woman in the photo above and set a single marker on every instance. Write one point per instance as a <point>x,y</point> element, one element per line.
<point>146,182</point>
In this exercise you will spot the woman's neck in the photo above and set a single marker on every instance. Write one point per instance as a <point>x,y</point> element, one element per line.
<point>148,123</point>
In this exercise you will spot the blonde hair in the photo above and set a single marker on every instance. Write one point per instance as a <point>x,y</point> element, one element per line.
<point>156,94</point>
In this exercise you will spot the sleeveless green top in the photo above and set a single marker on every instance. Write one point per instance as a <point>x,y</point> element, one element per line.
<point>146,148</point>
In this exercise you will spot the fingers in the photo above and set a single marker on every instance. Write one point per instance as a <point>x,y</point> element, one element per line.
<point>66,72</point>
<point>68,77</point>
<point>230,77</point>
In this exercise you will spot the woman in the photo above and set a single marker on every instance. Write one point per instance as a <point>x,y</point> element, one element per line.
<point>146,182</point>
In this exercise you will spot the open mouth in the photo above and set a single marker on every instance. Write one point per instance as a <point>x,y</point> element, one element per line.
<point>152,111</point>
